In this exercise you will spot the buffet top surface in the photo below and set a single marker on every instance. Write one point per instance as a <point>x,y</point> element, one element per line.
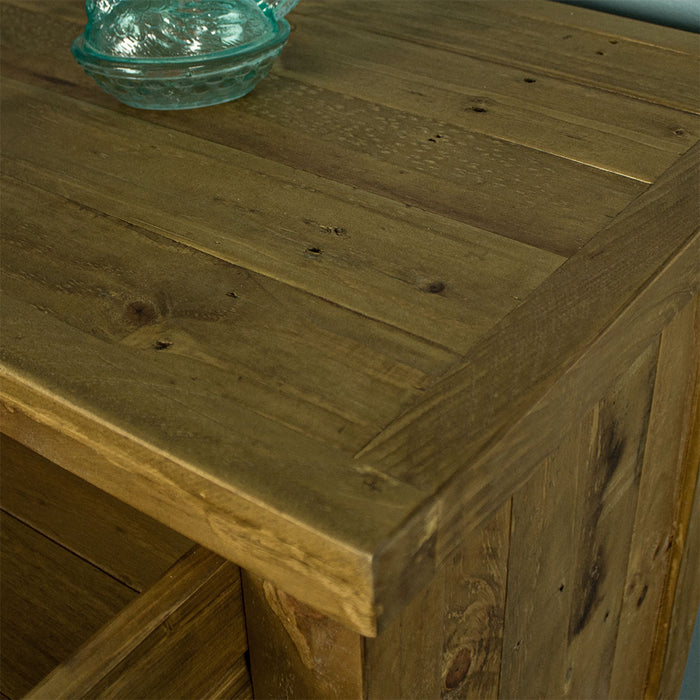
<point>292,326</point>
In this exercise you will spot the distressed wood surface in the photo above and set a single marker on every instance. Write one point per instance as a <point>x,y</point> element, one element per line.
<point>184,637</point>
<point>295,650</point>
<point>540,565</point>
<point>568,562</point>
<point>445,644</point>
<point>682,594</point>
<point>330,329</point>
<point>498,32</point>
<point>383,149</point>
<point>657,518</point>
<point>604,516</point>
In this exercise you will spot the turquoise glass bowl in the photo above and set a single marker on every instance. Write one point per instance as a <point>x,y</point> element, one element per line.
<point>180,54</point>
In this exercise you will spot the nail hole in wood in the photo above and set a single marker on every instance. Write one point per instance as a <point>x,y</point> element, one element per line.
<point>436,287</point>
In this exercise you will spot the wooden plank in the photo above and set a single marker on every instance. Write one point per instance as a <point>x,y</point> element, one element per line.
<point>595,127</point>
<point>213,426</point>
<point>117,539</point>
<point>605,509</point>
<point>682,596</point>
<point>373,519</point>
<point>446,643</point>
<point>294,650</point>
<point>686,603</point>
<point>540,567</point>
<point>182,638</point>
<point>51,601</point>
<point>431,277</point>
<point>213,321</point>
<point>655,521</point>
<point>489,30</point>
<point>590,126</point>
<point>380,149</point>
<point>609,25</point>
<point>327,567</point>
<point>571,533</point>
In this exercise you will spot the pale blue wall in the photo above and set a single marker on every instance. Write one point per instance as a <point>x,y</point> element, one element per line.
<point>683,14</point>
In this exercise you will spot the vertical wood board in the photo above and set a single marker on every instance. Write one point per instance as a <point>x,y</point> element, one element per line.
<point>656,517</point>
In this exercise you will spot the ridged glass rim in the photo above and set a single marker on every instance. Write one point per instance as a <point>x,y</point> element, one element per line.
<point>280,33</point>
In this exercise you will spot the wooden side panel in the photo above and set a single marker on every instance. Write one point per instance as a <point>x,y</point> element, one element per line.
<point>680,604</point>
<point>540,567</point>
<point>685,607</point>
<point>446,643</point>
<point>606,502</point>
<point>123,542</point>
<point>185,637</point>
<point>50,602</point>
<point>657,507</point>
<point>571,535</point>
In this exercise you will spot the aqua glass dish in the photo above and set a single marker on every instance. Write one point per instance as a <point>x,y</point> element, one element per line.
<point>181,54</point>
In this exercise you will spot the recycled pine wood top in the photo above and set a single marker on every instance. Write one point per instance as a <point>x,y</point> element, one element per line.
<point>298,327</point>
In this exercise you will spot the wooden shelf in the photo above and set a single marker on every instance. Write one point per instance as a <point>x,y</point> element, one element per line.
<point>99,599</point>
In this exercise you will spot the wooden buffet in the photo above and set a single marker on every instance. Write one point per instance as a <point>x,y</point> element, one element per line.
<point>406,341</point>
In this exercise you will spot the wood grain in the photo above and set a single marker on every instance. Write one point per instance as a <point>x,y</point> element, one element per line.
<point>214,321</point>
<point>329,572</point>
<point>446,643</point>
<point>656,517</point>
<point>473,495</point>
<point>609,26</point>
<point>382,262</point>
<point>606,274</point>
<point>51,602</point>
<point>607,493</point>
<point>580,123</point>
<point>540,568</point>
<point>295,651</point>
<point>185,637</point>
<point>375,283</point>
<point>596,127</point>
<point>571,534</point>
<point>494,32</point>
<point>381,149</point>
<point>682,596</point>
<point>119,540</point>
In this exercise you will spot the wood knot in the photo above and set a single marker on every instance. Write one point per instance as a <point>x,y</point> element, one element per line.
<point>458,669</point>
<point>141,313</point>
